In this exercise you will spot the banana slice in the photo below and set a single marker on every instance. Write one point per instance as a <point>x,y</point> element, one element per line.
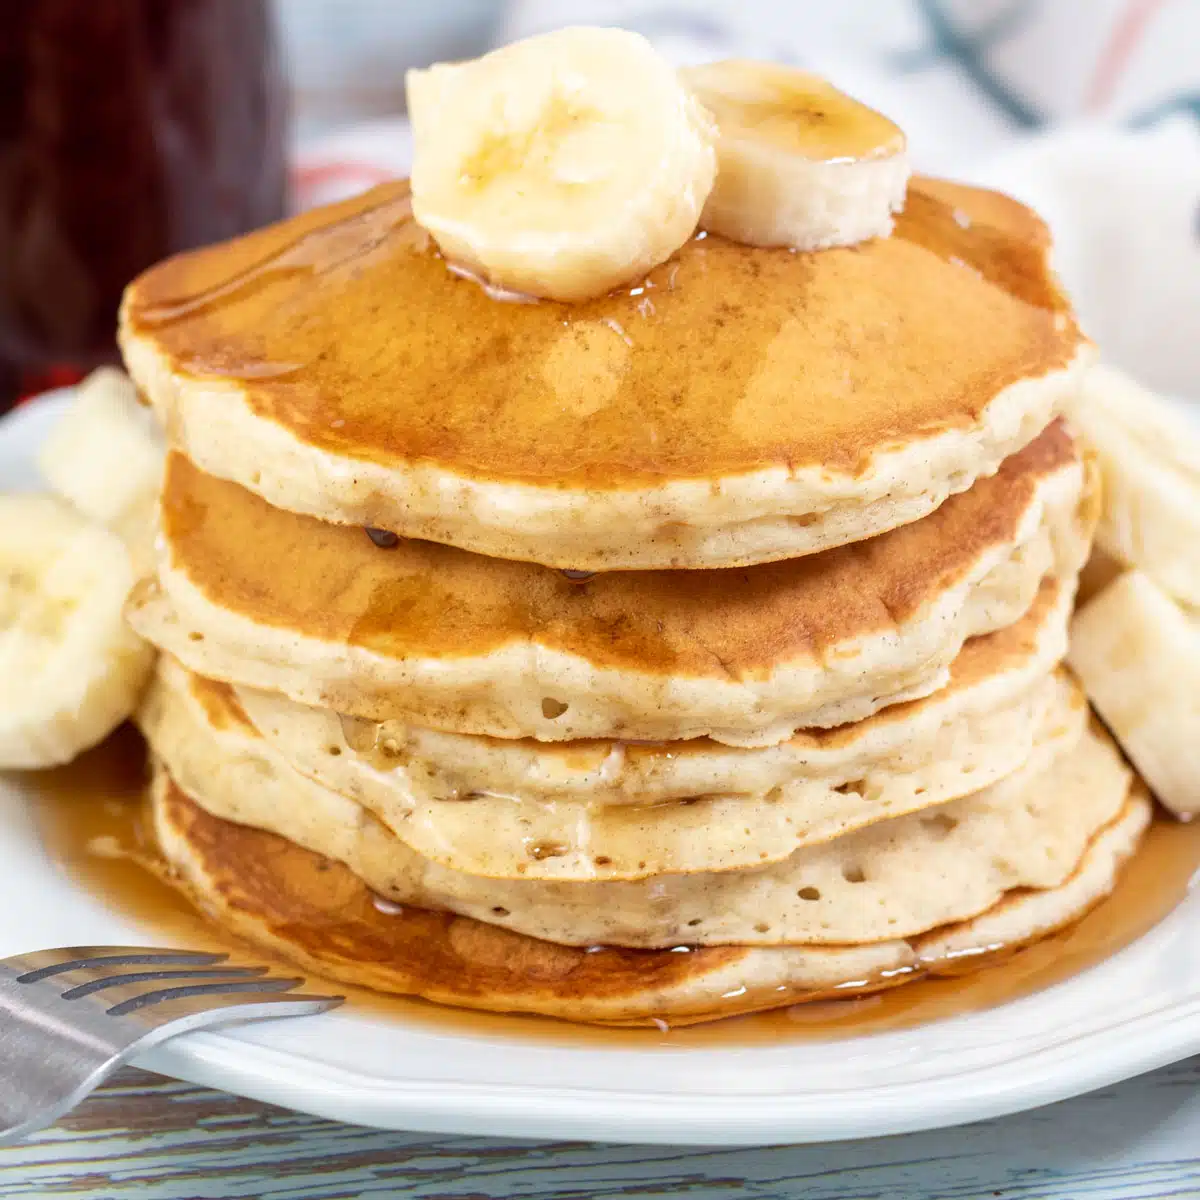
<point>1149,455</point>
<point>71,670</point>
<point>1137,654</point>
<point>799,163</point>
<point>560,166</point>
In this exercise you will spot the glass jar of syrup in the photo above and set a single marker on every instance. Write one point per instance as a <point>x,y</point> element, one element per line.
<point>129,129</point>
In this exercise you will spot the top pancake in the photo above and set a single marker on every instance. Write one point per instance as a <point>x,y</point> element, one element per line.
<point>739,405</point>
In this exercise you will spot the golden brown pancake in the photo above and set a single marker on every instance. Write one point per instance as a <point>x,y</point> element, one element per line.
<point>448,639</point>
<point>740,404</point>
<point>896,878</point>
<point>504,834</point>
<point>816,785</point>
<point>319,915</point>
<point>605,810</point>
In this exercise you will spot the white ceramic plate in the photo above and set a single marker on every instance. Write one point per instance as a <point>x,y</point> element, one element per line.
<point>1137,1011</point>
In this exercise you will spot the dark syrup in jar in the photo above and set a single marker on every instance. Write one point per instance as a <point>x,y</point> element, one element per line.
<point>129,130</point>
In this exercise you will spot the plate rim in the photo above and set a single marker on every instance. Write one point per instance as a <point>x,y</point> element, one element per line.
<point>636,1116</point>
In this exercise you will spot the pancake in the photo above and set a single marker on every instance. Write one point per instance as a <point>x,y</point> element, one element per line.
<point>739,405</point>
<point>605,810</point>
<point>322,917</point>
<point>895,878</point>
<point>991,676</point>
<point>507,837</point>
<point>995,677</point>
<point>449,640</point>
<point>319,915</point>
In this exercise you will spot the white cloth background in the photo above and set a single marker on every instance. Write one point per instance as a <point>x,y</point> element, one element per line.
<point>1088,109</point>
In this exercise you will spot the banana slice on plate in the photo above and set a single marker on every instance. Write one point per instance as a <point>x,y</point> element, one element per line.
<point>105,456</point>
<point>1137,654</point>
<point>71,670</point>
<point>1149,456</point>
<point>560,166</point>
<point>799,163</point>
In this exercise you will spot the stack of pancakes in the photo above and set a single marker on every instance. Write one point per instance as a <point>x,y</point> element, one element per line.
<point>688,651</point>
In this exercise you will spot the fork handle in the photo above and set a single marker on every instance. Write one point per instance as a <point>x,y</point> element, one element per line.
<point>48,1067</point>
<point>46,1076</point>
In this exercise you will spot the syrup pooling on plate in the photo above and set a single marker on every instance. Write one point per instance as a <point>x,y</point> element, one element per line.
<point>89,816</point>
<point>413,364</point>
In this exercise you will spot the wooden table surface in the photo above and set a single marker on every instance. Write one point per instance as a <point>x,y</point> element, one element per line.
<point>159,1140</point>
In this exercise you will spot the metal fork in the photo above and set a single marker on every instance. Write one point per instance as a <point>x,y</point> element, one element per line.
<point>70,1017</point>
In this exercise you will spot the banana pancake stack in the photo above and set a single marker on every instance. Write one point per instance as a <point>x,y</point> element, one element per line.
<point>638,553</point>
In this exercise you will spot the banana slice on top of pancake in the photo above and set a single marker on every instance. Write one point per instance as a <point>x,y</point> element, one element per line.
<point>562,165</point>
<point>799,163</point>
<point>71,670</point>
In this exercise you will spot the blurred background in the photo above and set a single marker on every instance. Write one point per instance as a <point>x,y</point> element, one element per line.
<point>130,129</point>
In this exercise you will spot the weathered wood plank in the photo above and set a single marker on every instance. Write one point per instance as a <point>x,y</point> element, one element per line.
<point>161,1140</point>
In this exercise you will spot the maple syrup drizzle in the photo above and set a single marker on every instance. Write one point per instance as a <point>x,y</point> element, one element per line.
<point>89,817</point>
<point>806,113</point>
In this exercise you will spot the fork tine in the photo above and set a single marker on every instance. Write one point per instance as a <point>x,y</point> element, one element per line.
<point>169,1017</point>
<point>211,992</point>
<point>44,963</point>
<point>100,982</point>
